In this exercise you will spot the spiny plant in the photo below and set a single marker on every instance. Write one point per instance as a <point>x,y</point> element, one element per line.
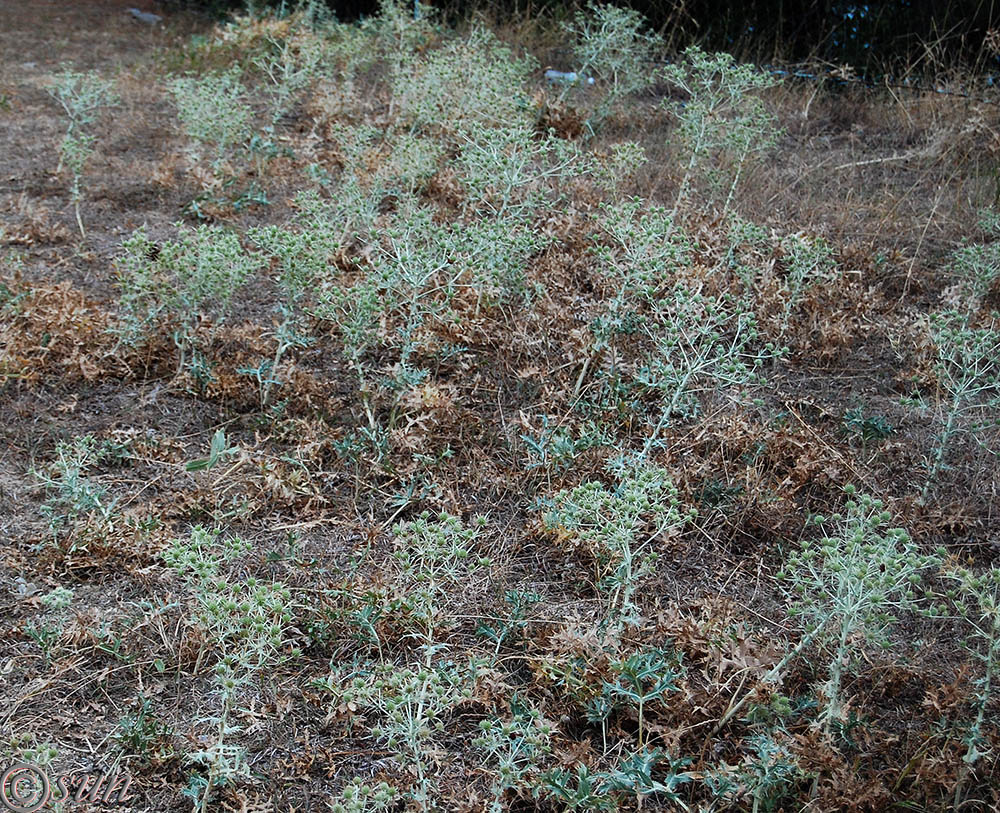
<point>616,166</point>
<point>610,45</point>
<point>432,555</point>
<point>641,678</point>
<point>639,249</point>
<point>358,796</point>
<point>847,587</point>
<point>496,253</point>
<point>412,281</point>
<point>977,265</point>
<point>588,790</point>
<point>810,263</point>
<point>247,622</point>
<point>514,749</point>
<point>412,704</point>
<point>720,117</point>
<point>303,257</point>
<point>465,87</point>
<point>509,174</point>
<point>702,343</point>
<point>184,280</point>
<point>81,96</point>
<point>289,65</point>
<point>411,162</point>
<point>397,35</point>
<point>967,368</point>
<point>618,528</point>
<point>356,311</point>
<point>47,631</point>
<point>977,596</point>
<point>72,492</point>
<point>214,113</point>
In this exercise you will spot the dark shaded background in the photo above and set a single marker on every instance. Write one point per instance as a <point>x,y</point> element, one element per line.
<point>918,35</point>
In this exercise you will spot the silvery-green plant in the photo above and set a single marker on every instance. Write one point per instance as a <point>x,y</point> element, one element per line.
<point>214,113</point>
<point>410,164</point>
<point>396,34</point>
<point>303,257</point>
<point>747,245</point>
<point>967,368</point>
<point>618,164</point>
<point>847,588</point>
<point>701,343</point>
<point>721,117</point>
<point>289,65</point>
<point>362,797</point>
<point>185,280</point>
<point>47,631</point>
<point>496,252</point>
<point>978,599</point>
<point>81,95</point>
<point>356,311</point>
<point>72,492</point>
<point>465,87</point>
<point>247,622</point>
<point>414,270</point>
<point>432,555</point>
<point>610,45</point>
<point>977,265</point>
<point>509,174</point>
<point>514,749</point>
<point>768,774</point>
<point>412,704</point>
<point>618,528</point>
<point>810,263</point>
<point>639,249</point>
<point>641,678</point>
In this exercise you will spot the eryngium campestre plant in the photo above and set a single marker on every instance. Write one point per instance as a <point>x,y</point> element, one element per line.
<point>848,587</point>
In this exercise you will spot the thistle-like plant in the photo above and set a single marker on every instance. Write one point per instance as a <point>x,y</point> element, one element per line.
<point>977,265</point>
<point>412,704</point>
<point>81,96</point>
<point>618,528</point>
<point>610,45</point>
<point>509,174</point>
<point>496,253</point>
<point>514,749</point>
<point>619,164</point>
<point>289,65</point>
<point>846,588</point>
<point>701,344</point>
<point>432,555</point>
<point>411,162</point>
<point>187,280</point>
<point>246,621</point>
<point>720,118</point>
<point>639,249</point>
<point>47,631</point>
<point>967,368</point>
<point>978,599</point>
<point>641,678</point>
<point>465,87</point>
<point>362,797</point>
<point>303,257</point>
<point>72,492</point>
<point>810,263</point>
<point>214,113</point>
